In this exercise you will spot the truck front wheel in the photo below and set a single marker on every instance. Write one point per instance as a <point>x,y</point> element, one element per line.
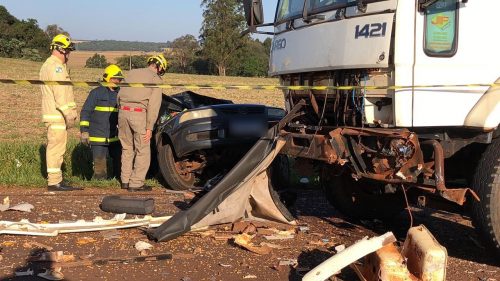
<point>486,183</point>
<point>361,199</point>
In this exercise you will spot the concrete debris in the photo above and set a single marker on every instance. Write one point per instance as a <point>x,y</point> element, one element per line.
<point>33,244</point>
<point>288,262</point>
<point>279,237</point>
<point>23,207</point>
<point>5,205</point>
<point>85,240</point>
<point>28,272</point>
<point>356,251</point>
<point>303,228</point>
<point>271,245</point>
<point>250,276</point>
<point>52,274</point>
<point>111,234</point>
<point>244,241</point>
<point>141,246</point>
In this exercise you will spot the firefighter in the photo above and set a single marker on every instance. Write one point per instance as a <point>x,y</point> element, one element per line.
<point>98,124</point>
<point>58,110</point>
<point>139,109</point>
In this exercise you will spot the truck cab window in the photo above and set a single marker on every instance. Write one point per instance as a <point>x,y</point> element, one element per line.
<point>441,29</point>
<point>288,9</point>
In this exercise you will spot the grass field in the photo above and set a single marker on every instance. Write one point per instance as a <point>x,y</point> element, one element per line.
<point>22,134</point>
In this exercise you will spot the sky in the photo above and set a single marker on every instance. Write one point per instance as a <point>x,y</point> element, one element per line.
<point>130,20</point>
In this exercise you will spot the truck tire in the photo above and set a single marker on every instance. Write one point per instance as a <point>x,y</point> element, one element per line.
<point>169,169</point>
<point>361,199</point>
<point>486,183</point>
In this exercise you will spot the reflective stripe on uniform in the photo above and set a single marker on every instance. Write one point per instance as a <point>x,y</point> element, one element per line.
<point>106,109</point>
<point>84,123</point>
<point>96,139</point>
<point>67,106</point>
<point>57,127</point>
<point>52,117</point>
<point>53,170</point>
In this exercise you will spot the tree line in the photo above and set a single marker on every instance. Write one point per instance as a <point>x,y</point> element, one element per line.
<point>219,50</point>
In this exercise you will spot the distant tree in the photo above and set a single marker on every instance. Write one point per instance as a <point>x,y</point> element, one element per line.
<point>17,34</point>
<point>96,61</point>
<point>113,45</point>
<point>53,29</point>
<point>183,53</point>
<point>223,21</point>
<point>253,60</point>
<point>132,62</point>
<point>31,54</point>
<point>268,43</point>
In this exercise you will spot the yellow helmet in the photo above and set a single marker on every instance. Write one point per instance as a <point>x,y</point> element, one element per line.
<point>62,42</point>
<point>160,62</point>
<point>112,71</point>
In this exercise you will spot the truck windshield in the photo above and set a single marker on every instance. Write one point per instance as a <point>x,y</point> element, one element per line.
<point>288,9</point>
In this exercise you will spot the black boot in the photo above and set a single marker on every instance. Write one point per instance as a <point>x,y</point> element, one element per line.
<point>142,188</point>
<point>62,186</point>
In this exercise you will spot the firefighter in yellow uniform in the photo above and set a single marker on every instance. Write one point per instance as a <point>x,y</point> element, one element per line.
<point>58,110</point>
<point>139,109</point>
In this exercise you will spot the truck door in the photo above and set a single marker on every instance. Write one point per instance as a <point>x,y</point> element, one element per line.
<point>453,46</point>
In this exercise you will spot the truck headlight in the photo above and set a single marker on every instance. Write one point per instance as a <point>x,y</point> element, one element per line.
<point>197,114</point>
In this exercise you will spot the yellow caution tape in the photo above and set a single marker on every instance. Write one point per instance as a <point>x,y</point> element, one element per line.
<point>229,87</point>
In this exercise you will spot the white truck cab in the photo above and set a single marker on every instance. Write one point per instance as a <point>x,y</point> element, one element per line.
<point>396,95</point>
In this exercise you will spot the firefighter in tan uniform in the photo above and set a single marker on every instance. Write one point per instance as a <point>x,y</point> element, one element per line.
<point>139,109</point>
<point>58,110</point>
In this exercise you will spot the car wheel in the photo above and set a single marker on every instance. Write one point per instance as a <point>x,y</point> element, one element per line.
<point>171,169</point>
<point>486,183</point>
<point>360,199</point>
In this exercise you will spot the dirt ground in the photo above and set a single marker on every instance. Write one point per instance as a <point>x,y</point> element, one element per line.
<point>199,257</point>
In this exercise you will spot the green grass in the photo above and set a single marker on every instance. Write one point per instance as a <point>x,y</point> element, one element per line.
<point>23,164</point>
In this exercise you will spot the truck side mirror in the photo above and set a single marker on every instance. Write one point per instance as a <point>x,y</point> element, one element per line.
<point>254,12</point>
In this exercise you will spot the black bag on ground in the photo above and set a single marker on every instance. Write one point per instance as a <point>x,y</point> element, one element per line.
<point>129,205</point>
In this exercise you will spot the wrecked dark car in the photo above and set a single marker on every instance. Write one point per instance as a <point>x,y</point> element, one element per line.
<point>199,138</point>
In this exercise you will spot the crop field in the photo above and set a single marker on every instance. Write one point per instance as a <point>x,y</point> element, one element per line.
<point>20,113</point>
<point>79,58</point>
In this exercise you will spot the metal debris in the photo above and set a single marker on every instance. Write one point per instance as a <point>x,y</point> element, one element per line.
<point>28,272</point>
<point>52,274</point>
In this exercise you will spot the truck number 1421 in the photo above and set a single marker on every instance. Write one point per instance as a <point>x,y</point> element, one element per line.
<point>370,30</point>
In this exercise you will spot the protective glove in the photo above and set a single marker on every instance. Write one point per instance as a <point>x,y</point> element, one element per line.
<point>84,138</point>
<point>70,118</point>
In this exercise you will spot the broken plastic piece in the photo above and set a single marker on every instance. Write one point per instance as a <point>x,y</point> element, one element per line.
<point>25,227</point>
<point>360,249</point>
